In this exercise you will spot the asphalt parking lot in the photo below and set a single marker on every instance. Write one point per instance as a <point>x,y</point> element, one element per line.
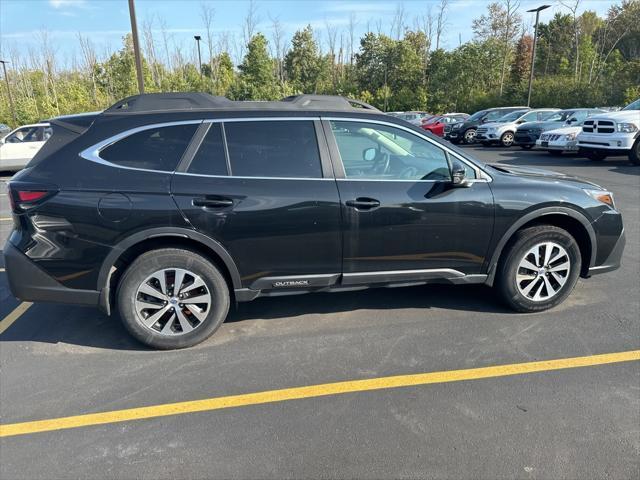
<point>575,419</point>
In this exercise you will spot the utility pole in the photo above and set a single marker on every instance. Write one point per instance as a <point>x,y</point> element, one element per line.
<point>136,45</point>
<point>198,38</point>
<point>6,79</point>
<point>533,53</point>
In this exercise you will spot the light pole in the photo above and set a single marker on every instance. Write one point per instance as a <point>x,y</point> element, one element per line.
<point>535,41</point>
<point>136,45</point>
<point>6,79</point>
<point>198,38</point>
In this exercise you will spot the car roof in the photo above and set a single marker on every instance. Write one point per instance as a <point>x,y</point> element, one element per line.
<point>40,124</point>
<point>195,101</point>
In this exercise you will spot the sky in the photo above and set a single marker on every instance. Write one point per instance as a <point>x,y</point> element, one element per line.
<point>106,21</point>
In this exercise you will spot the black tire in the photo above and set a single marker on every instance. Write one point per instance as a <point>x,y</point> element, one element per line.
<point>507,139</point>
<point>485,144</point>
<point>168,258</point>
<point>555,153</point>
<point>469,136</point>
<point>516,251</point>
<point>455,141</point>
<point>526,147</point>
<point>596,156</point>
<point>634,153</point>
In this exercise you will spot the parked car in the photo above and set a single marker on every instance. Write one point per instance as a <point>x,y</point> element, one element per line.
<point>527,134</point>
<point>171,207</point>
<point>502,131</point>
<point>437,124</point>
<point>612,133</point>
<point>560,140</point>
<point>20,145</point>
<point>414,118</point>
<point>4,130</point>
<point>466,131</point>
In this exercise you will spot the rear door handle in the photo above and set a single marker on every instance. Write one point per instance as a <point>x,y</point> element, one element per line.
<point>363,203</point>
<point>210,202</point>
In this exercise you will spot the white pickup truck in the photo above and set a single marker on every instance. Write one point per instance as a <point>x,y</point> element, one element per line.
<point>613,133</point>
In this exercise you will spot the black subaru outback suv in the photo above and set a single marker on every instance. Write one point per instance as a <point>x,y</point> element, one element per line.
<point>172,206</point>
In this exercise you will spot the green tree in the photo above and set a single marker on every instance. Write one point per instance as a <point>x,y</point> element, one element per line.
<point>256,80</point>
<point>303,63</point>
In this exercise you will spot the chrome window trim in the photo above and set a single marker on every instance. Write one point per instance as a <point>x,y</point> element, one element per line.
<point>481,175</point>
<point>249,178</point>
<point>93,152</point>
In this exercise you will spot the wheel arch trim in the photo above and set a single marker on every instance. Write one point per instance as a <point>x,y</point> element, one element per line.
<point>122,246</point>
<point>534,215</point>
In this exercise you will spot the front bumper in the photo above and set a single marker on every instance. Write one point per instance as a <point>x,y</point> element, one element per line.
<point>612,141</point>
<point>612,262</point>
<point>559,146</point>
<point>30,283</point>
<point>524,139</point>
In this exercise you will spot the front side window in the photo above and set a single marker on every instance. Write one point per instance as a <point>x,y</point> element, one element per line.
<point>380,152</point>
<point>24,135</point>
<point>531,117</point>
<point>274,148</point>
<point>157,148</point>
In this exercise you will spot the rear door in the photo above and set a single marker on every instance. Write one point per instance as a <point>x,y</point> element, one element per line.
<point>264,189</point>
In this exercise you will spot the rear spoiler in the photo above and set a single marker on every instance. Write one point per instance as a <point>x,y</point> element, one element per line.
<point>79,123</point>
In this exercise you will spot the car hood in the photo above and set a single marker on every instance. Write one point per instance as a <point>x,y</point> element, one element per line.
<point>542,174</point>
<point>544,126</point>
<point>623,115</point>
<point>564,130</point>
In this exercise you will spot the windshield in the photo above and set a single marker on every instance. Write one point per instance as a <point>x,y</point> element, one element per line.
<point>560,116</point>
<point>433,120</point>
<point>633,105</point>
<point>476,115</point>
<point>546,115</point>
<point>510,117</point>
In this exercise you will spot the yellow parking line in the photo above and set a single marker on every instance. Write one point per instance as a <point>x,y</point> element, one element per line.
<point>7,321</point>
<point>271,396</point>
<point>5,219</point>
<point>2,270</point>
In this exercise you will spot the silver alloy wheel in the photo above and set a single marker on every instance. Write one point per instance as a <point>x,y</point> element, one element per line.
<point>507,139</point>
<point>172,301</point>
<point>470,135</point>
<point>543,271</point>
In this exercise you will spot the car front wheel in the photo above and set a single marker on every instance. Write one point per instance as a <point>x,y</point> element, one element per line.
<point>506,140</point>
<point>172,298</point>
<point>634,154</point>
<point>540,269</point>
<point>470,136</point>
<point>526,147</point>
<point>596,155</point>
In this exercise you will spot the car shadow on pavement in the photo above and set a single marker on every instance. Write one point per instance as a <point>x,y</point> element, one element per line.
<point>470,298</point>
<point>88,327</point>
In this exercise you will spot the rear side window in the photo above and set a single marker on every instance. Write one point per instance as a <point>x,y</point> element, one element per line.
<point>210,159</point>
<point>154,149</point>
<point>277,148</point>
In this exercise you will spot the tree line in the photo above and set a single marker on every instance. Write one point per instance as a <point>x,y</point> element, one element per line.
<point>582,60</point>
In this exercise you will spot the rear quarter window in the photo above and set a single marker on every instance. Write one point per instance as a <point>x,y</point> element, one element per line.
<point>159,148</point>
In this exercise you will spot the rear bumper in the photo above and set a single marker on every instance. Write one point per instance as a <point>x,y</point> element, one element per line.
<point>30,283</point>
<point>612,262</point>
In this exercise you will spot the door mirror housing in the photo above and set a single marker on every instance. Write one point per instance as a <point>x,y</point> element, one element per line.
<point>369,154</point>
<point>459,174</point>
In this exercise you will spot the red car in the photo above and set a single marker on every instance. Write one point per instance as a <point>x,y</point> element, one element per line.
<point>436,124</point>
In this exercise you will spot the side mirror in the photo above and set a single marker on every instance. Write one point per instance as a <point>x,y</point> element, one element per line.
<point>459,174</point>
<point>369,154</point>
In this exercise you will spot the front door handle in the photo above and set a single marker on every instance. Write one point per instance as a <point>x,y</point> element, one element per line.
<point>210,202</point>
<point>363,203</point>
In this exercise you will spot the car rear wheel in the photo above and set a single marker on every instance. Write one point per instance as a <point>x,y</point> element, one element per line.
<point>506,139</point>
<point>526,147</point>
<point>172,298</point>
<point>634,154</point>
<point>540,269</point>
<point>470,136</point>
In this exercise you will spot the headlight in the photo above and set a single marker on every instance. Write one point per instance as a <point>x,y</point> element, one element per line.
<point>627,127</point>
<point>570,136</point>
<point>602,196</point>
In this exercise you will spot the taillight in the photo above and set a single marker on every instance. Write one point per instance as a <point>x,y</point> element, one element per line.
<point>27,196</point>
<point>24,196</point>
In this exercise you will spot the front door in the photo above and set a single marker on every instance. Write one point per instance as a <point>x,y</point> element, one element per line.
<point>400,210</point>
<point>259,188</point>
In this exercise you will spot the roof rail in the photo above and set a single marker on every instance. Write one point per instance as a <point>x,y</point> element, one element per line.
<point>151,102</point>
<point>334,102</point>
<point>169,101</point>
